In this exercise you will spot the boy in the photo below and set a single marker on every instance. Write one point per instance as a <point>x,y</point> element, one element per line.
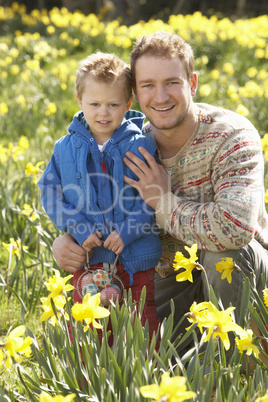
<point>83,189</point>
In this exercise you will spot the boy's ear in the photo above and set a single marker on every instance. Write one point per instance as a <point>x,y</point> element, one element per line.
<point>129,104</point>
<point>78,101</point>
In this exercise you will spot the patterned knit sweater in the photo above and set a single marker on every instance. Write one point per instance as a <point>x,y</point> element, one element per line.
<point>217,198</point>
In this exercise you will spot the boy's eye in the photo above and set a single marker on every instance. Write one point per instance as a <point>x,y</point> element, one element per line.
<point>114,104</point>
<point>94,104</point>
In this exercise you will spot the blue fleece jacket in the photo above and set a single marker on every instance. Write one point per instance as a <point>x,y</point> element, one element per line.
<point>83,190</point>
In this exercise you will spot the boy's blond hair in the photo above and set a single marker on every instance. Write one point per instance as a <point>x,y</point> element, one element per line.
<point>106,68</point>
<point>163,45</point>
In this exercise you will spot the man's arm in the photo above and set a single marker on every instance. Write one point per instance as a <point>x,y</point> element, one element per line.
<point>229,219</point>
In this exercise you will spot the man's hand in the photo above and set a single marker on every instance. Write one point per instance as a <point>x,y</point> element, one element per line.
<point>153,182</point>
<point>92,241</point>
<point>68,254</point>
<point>114,242</point>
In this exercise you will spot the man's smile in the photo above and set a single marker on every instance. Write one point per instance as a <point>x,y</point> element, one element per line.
<point>162,109</point>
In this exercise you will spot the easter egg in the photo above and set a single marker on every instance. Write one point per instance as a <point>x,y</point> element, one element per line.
<point>86,278</point>
<point>108,294</point>
<point>115,286</point>
<point>90,288</point>
<point>102,279</point>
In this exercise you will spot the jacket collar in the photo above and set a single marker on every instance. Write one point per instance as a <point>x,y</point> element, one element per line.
<point>133,121</point>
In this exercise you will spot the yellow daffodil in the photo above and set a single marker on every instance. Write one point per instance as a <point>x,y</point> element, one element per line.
<point>51,30</point>
<point>15,245</point>
<point>44,397</point>
<point>48,313</point>
<point>20,99</point>
<point>264,142</point>
<point>226,266</point>
<point>241,109</point>
<point>33,65</point>
<point>3,108</point>
<point>14,69</point>
<point>228,68</point>
<point>15,346</point>
<point>89,311</point>
<point>14,52</point>
<point>252,72</point>
<point>51,108</point>
<point>57,285</point>
<point>33,170</point>
<point>28,211</point>
<point>15,151</point>
<point>266,196</point>
<point>265,296</point>
<point>198,314</point>
<point>219,323</point>
<point>263,398</point>
<point>245,343</point>
<point>3,154</point>
<point>171,389</point>
<point>187,263</point>
<point>205,90</point>
<point>215,74</point>
<point>23,142</point>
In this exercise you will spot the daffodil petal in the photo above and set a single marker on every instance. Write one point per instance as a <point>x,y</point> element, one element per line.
<point>150,391</point>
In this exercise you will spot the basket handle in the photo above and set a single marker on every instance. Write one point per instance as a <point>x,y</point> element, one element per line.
<point>113,269</point>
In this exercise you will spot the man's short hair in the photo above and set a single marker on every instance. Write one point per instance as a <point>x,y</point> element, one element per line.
<point>163,45</point>
<point>105,68</point>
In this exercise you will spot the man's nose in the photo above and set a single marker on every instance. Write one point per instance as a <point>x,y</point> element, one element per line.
<point>161,94</point>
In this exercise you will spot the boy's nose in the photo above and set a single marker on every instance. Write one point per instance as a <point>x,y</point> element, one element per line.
<point>104,111</point>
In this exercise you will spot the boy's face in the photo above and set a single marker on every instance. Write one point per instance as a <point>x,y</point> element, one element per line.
<point>104,106</point>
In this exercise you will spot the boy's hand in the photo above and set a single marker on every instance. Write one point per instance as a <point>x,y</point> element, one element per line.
<point>114,242</point>
<point>92,241</point>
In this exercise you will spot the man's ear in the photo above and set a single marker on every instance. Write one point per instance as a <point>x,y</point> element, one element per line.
<point>78,101</point>
<point>129,104</point>
<point>193,83</point>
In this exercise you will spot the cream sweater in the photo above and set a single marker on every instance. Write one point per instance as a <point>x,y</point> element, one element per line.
<point>217,198</point>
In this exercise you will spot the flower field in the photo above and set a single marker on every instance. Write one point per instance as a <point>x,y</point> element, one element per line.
<point>39,54</point>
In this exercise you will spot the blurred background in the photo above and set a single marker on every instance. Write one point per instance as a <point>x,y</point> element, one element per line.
<point>130,11</point>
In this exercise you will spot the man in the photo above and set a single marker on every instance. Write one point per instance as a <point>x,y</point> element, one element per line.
<point>207,188</point>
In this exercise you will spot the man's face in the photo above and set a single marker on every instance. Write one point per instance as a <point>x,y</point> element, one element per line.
<point>164,91</point>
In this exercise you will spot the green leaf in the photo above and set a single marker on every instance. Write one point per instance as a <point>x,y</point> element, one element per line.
<point>244,301</point>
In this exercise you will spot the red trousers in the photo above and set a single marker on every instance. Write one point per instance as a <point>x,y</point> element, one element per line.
<point>140,279</point>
